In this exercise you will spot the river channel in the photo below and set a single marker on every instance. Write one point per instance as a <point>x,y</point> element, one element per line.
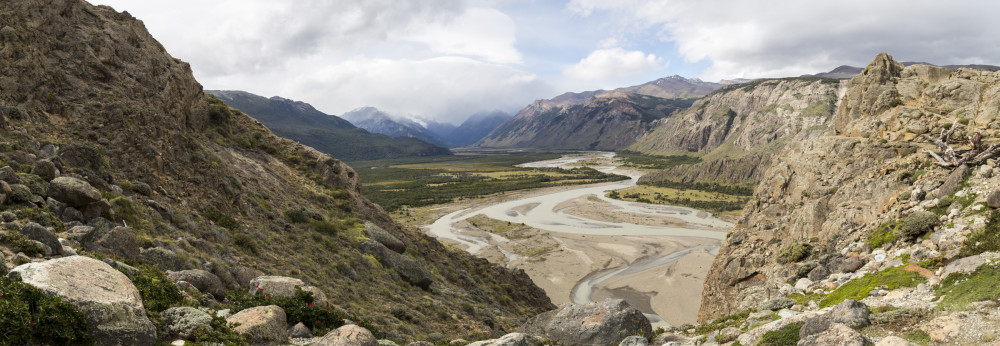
<point>547,212</point>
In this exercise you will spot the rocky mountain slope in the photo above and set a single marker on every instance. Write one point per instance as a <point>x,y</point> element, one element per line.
<point>845,71</point>
<point>601,120</point>
<point>300,122</point>
<point>476,127</point>
<point>736,129</point>
<point>109,143</point>
<point>376,121</point>
<point>895,208</point>
<point>609,121</point>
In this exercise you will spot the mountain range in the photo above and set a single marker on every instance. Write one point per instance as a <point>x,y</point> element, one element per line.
<point>471,130</point>
<point>330,134</point>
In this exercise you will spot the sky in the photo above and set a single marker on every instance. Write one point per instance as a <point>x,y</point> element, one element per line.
<point>447,59</point>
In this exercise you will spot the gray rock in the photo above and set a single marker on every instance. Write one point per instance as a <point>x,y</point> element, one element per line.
<point>599,323</point>
<point>407,268</point>
<point>386,342</point>
<point>300,331</point>
<point>9,175</point>
<point>967,265</point>
<point>849,265</point>
<point>851,313</point>
<point>183,321</point>
<point>776,304</point>
<point>8,216</point>
<point>265,324</point>
<point>953,182</point>
<point>634,341</point>
<point>512,339</point>
<point>71,214</point>
<point>728,334</point>
<point>162,258</point>
<point>107,298</point>
<point>119,241</point>
<point>993,200</point>
<point>46,250</point>
<point>893,340</point>
<point>74,192</point>
<point>49,151</point>
<point>837,334</point>
<point>348,335</point>
<point>77,234</point>
<point>203,280</point>
<point>122,267</point>
<point>819,273</point>
<point>35,231</point>
<point>380,235</point>
<point>282,286</point>
<point>243,275</point>
<point>45,169</point>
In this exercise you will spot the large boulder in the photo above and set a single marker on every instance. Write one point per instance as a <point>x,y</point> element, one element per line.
<point>203,280</point>
<point>74,192</point>
<point>954,181</point>
<point>348,335</point>
<point>598,323</point>
<point>107,298</point>
<point>281,286</point>
<point>45,169</point>
<point>161,257</point>
<point>993,199</point>
<point>243,275</point>
<point>380,235</point>
<point>119,241</point>
<point>265,324</point>
<point>407,268</point>
<point>512,339</point>
<point>35,231</point>
<point>183,321</point>
<point>851,313</point>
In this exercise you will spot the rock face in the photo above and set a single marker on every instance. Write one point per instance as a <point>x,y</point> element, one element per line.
<point>830,191</point>
<point>118,241</point>
<point>203,280</point>
<point>74,192</point>
<point>408,268</point>
<point>265,324</point>
<point>106,296</point>
<point>280,286</point>
<point>348,335</point>
<point>599,323</point>
<point>378,234</point>
<point>35,231</point>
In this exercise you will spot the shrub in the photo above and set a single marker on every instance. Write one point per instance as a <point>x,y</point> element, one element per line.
<point>142,188</point>
<point>223,220</point>
<point>244,241</point>
<point>20,193</point>
<point>28,316</point>
<point>917,224</point>
<point>299,308</point>
<point>219,332</point>
<point>19,243</point>
<point>157,291</point>
<point>787,335</point>
<point>986,239</point>
<point>794,253</point>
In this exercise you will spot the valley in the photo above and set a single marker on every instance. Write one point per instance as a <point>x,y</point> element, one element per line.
<point>581,246</point>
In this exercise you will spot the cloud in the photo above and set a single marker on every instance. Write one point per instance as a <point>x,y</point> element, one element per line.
<point>789,37</point>
<point>613,63</point>
<point>417,57</point>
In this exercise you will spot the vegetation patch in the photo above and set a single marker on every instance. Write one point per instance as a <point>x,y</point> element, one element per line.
<point>300,308</point>
<point>986,239</point>
<point>19,243</point>
<point>958,290</point>
<point>786,336</point>
<point>28,316</point>
<point>917,336</point>
<point>858,289</point>
<point>885,234</point>
<point>734,320</point>
<point>918,223</point>
<point>794,253</point>
<point>705,200</point>
<point>656,162</point>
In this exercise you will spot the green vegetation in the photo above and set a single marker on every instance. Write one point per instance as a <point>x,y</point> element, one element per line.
<point>219,332</point>
<point>404,182</point>
<point>28,316</point>
<point>702,186</point>
<point>918,223</point>
<point>711,201</point>
<point>986,239</point>
<point>157,291</point>
<point>885,234</point>
<point>640,160</point>
<point>794,252</point>
<point>959,290</point>
<point>18,242</point>
<point>733,320</point>
<point>917,336</point>
<point>786,336</point>
<point>220,219</point>
<point>858,289</point>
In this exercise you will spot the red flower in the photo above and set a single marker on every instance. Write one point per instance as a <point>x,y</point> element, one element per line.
<point>32,324</point>
<point>111,254</point>
<point>339,319</point>
<point>260,289</point>
<point>317,321</point>
<point>265,297</point>
<point>310,305</point>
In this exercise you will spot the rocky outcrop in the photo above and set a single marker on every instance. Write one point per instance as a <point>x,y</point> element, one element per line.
<point>348,335</point>
<point>408,268</point>
<point>203,280</point>
<point>280,286</point>
<point>107,298</point>
<point>599,323</point>
<point>35,231</point>
<point>265,324</point>
<point>380,235</point>
<point>829,194</point>
<point>117,241</point>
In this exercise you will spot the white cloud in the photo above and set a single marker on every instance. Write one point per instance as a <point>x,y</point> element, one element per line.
<point>613,63</point>
<point>791,37</point>
<point>478,32</point>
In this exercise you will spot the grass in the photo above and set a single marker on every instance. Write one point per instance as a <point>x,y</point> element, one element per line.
<point>959,290</point>
<point>720,323</point>
<point>794,252</point>
<point>656,162</point>
<point>885,234</point>
<point>917,336</point>
<point>787,335</point>
<point>858,289</point>
<point>986,239</point>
